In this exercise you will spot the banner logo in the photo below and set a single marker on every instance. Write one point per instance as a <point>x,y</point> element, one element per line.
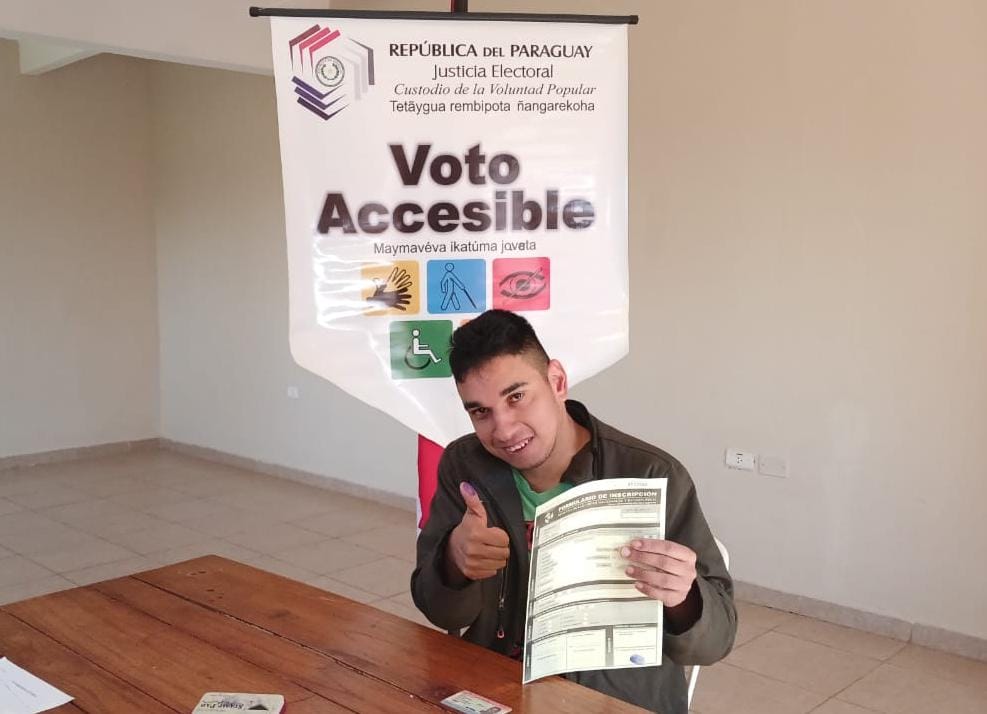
<point>329,70</point>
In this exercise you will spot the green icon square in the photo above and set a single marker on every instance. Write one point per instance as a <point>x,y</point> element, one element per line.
<point>420,349</point>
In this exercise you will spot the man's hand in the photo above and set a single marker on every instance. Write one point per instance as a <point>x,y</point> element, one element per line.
<point>663,570</point>
<point>475,550</point>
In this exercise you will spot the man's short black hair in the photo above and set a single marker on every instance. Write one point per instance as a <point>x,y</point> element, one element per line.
<point>495,333</point>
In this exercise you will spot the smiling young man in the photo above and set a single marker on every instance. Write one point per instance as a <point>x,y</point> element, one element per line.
<point>530,444</point>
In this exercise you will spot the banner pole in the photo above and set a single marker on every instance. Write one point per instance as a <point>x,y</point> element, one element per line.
<point>439,15</point>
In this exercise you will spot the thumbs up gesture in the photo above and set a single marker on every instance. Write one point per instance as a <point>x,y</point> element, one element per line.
<point>475,550</point>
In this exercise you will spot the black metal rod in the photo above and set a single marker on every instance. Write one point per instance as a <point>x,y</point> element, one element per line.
<point>464,16</point>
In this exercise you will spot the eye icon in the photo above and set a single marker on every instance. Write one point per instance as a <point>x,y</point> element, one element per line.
<point>523,284</point>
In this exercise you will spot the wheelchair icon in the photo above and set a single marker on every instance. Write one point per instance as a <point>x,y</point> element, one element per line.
<point>418,355</point>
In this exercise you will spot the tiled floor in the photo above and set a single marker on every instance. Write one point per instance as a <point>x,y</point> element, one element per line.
<point>76,523</point>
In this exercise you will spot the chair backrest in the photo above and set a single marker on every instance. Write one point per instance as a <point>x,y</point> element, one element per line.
<point>723,552</point>
<point>694,674</point>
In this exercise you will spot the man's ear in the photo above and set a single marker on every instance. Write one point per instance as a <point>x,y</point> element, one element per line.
<point>558,379</point>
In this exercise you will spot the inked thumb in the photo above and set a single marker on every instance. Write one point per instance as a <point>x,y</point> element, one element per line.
<point>473,504</point>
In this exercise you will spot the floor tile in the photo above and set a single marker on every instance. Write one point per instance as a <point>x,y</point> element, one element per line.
<point>332,585</point>
<point>723,689</point>
<point>835,706</point>
<point>746,633</point>
<point>47,497</point>
<point>806,665</point>
<point>275,538</point>
<point>119,523</point>
<point>24,521</point>
<point>204,486</point>
<point>108,571</point>
<point>156,538</point>
<point>149,498</point>
<point>347,523</point>
<point>387,577</point>
<point>86,552</point>
<point>842,638</point>
<point>16,569</point>
<point>280,567</point>
<point>328,557</point>
<point>396,541</point>
<point>41,538</point>
<point>759,616</point>
<point>335,501</point>
<point>893,690</point>
<point>111,487</point>
<point>294,508</point>
<point>191,509</point>
<point>957,669</point>
<point>405,599</point>
<point>33,588</point>
<point>396,607</point>
<point>8,507</point>
<point>210,546</point>
<point>83,513</point>
<point>12,485</point>
<point>228,520</point>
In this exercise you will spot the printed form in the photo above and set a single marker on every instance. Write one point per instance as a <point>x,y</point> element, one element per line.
<point>583,610</point>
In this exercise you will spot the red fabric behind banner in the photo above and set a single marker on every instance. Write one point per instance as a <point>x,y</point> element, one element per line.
<point>429,454</point>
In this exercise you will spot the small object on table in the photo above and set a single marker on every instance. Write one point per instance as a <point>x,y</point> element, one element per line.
<point>23,693</point>
<point>213,702</point>
<point>470,703</point>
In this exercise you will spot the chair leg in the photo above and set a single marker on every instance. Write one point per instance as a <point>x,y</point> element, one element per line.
<point>693,678</point>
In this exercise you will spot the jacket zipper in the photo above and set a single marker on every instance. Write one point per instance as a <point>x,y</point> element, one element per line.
<point>502,597</point>
<point>500,602</point>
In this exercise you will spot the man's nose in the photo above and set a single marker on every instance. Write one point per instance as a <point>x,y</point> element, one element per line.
<point>505,426</point>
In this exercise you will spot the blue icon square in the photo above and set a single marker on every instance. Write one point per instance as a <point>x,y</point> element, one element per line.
<point>457,286</point>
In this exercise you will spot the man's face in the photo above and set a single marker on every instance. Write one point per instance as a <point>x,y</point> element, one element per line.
<point>516,408</point>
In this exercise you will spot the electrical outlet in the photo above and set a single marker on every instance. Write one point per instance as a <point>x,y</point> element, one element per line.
<point>737,459</point>
<point>773,466</point>
<point>292,392</point>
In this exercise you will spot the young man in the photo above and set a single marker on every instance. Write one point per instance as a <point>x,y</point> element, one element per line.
<point>531,443</point>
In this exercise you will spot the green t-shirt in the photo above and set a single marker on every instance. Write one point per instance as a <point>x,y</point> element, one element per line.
<point>530,499</point>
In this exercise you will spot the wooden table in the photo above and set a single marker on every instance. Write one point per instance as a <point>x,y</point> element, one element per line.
<point>155,642</point>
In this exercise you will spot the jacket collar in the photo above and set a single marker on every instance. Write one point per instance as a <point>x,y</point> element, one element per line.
<point>586,464</point>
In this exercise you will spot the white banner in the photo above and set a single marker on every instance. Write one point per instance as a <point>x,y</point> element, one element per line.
<point>437,169</point>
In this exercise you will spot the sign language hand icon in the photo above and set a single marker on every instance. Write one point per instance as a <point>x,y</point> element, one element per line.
<point>395,292</point>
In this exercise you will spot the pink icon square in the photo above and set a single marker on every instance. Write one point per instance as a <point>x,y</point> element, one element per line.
<point>521,284</point>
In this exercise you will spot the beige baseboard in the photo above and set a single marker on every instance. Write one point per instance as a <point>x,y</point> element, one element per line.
<point>925,635</point>
<point>825,611</point>
<point>306,477</point>
<point>81,452</point>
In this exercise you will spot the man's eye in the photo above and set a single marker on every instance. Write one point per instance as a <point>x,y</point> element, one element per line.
<point>478,413</point>
<point>516,397</point>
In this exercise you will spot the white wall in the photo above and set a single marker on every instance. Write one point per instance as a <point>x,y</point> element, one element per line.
<point>223,279</point>
<point>78,326</point>
<point>808,243</point>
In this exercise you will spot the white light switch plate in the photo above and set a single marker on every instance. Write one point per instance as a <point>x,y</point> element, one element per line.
<point>743,460</point>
